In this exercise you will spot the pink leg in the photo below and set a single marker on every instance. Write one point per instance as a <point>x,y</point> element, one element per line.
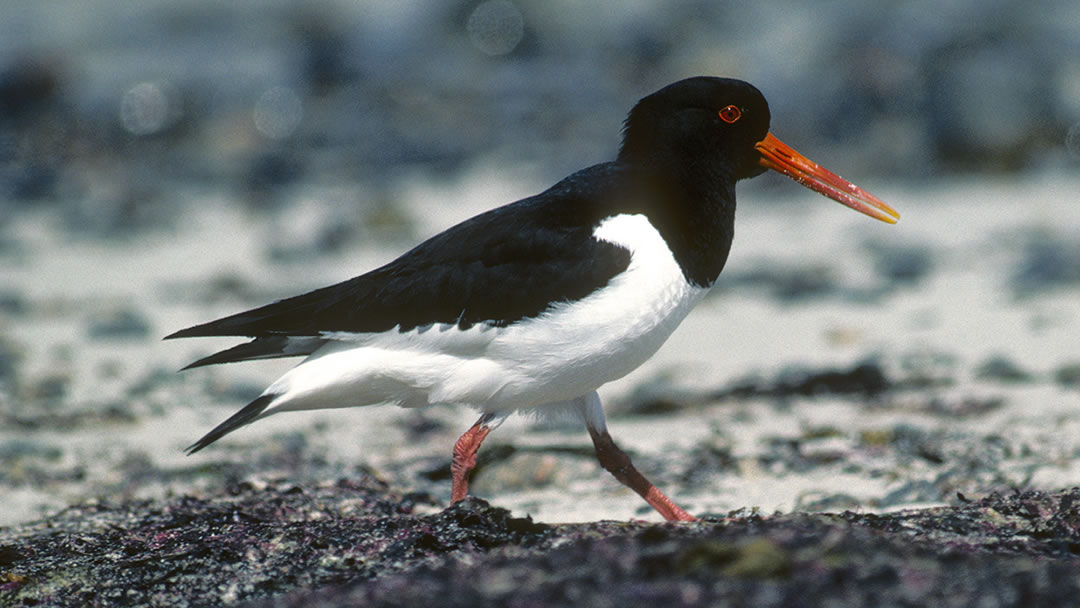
<point>618,464</point>
<point>465,456</point>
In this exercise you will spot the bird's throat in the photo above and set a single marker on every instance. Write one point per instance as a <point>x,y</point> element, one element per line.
<point>696,216</point>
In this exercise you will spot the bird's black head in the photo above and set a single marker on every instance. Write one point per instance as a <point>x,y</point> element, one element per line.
<point>697,137</point>
<point>709,123</point>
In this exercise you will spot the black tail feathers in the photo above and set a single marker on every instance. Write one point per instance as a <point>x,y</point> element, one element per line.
<point>250,412</point>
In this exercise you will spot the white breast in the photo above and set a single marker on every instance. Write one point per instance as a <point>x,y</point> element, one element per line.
<point>576,347</point>
<point>568,351</point>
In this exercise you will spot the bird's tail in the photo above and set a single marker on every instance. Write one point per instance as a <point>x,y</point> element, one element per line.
<point>266,347</point>
<point>250,412</point>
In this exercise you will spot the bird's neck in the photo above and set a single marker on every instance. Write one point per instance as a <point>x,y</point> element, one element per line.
<point>693,208</point>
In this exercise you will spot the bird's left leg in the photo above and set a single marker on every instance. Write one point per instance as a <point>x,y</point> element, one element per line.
<point>617,462</point>
<point>465,453</point>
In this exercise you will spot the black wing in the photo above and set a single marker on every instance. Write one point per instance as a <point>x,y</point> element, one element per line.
<point>507,264</point>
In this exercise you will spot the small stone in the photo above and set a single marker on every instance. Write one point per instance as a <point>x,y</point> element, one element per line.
<point>1068,375</point>
<point>123,324</point>
<point>1003,370</point>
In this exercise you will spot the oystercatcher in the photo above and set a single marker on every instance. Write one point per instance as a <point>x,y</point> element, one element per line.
<point>534,305</point>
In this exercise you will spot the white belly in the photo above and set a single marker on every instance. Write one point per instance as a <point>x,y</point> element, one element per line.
<point>569,351</point>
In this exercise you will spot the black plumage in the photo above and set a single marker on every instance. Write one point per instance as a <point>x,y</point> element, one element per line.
<point>501,266</point>
<point>516,261</point>
<point>247,414</point>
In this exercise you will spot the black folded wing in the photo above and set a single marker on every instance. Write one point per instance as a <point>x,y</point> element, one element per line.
<point>508,264</point>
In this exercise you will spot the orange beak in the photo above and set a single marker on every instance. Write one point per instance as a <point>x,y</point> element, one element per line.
<point>778,156</point>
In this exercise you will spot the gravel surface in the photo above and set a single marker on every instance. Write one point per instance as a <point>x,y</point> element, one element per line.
<point>361,543</point>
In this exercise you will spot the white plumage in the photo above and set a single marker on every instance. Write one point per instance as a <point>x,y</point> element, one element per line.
<point>563,354</point>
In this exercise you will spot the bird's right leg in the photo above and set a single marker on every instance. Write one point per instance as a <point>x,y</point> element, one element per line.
<point>465,454</point>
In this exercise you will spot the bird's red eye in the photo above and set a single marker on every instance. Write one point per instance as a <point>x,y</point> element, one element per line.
<point>730,114</point>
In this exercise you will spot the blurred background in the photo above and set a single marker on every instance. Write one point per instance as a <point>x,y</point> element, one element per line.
<point>165,162</point>
<point>111,111</point>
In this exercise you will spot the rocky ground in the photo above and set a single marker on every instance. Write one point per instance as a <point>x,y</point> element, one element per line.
<point>362,543</point>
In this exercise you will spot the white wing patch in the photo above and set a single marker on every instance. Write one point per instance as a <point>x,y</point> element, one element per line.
<point>566,352</point>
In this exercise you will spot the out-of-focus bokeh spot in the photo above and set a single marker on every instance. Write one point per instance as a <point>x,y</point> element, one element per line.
<point>149,107</point>
<point>278,112</point>
<point>496,27</point>
<point>1072,141</point>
